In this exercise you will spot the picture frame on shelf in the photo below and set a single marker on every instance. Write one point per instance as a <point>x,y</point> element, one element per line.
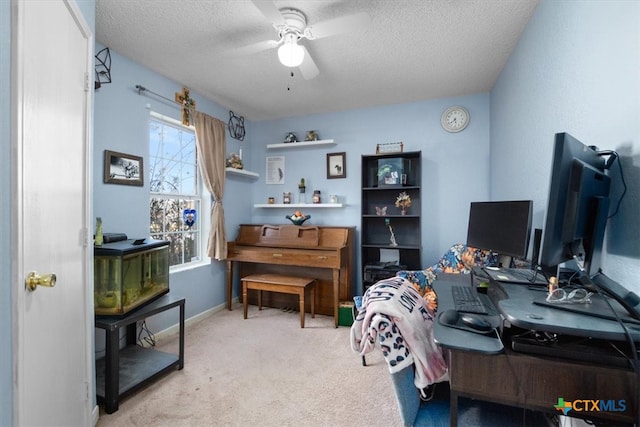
<point>336,165</point>
<point>391,172</point>
<point>124,169</point>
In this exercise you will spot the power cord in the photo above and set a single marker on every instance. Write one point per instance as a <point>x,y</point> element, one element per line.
<point>150,339</point>
<point>632,345</point>
<point>613,156</point>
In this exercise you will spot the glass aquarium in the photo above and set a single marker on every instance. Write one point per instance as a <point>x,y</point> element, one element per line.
<point>129,274</point>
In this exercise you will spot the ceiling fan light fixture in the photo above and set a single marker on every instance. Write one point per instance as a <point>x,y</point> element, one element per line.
<point>290,53</point>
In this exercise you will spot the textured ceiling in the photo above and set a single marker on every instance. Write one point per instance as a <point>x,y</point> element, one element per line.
<point>412,50</point>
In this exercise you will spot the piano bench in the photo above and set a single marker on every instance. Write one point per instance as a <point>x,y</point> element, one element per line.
<point>279,283</point>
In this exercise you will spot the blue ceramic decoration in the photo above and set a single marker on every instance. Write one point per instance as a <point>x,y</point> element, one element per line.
<point>189,217</point>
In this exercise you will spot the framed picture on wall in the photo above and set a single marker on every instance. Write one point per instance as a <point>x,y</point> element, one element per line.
<point>336,165</point>
<point>125,169</point>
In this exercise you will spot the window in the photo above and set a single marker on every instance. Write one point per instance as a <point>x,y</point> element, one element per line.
<point>176,190</point>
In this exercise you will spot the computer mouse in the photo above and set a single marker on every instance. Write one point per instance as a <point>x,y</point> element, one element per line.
<point>449,317</point>
<point>476,322</point>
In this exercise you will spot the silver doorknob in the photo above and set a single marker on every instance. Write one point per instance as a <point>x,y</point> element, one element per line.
<point>34,280</point>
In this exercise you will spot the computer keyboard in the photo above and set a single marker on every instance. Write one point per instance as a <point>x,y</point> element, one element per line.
<point>466,299</point>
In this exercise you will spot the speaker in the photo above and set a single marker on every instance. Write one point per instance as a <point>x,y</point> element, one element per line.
<point>537,239</point>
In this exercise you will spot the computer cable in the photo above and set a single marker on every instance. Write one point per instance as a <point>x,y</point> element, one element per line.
<point>519,386</point>
<point>613,156</point>
<point>634,352</point>
<point>149,339</point>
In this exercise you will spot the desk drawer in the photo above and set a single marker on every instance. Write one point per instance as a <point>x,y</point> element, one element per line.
<point>537,382</point>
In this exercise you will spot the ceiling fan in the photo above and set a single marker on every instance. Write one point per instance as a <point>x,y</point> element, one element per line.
<point>291,27</point>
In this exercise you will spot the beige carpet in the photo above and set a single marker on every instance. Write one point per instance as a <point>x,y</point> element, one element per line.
<point>264,371</point>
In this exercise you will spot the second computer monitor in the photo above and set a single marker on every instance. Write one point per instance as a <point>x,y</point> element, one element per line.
<point>501,226</point>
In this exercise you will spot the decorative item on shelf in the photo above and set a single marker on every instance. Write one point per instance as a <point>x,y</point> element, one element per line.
<point>392,236</point>
<point>312,135</point>
<point>234,161</point>
<point>189,216</point>
<point>390,170</point>
<point>381,211</point>
<point>387,175</point>
<point>316,196</point>
<point>301,190</point>
<point>286,197</point>
<point>290,137</point>
<point>298,218</point>
<point>99,238</point>
<point>333,198</point>
<point>403,201</point>
<point>271,200</point>
<point>389,147</point>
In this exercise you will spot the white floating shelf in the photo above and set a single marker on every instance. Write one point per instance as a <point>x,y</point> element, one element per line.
<point>298,205</point>
<point>241,172</point>
<point>302,144</point>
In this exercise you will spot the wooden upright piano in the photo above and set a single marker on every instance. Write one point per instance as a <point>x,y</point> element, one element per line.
<point>324,253</point>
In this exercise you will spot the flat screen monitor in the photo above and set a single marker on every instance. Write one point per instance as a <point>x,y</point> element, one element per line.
<point>501,226</point>
<point>577,208</point>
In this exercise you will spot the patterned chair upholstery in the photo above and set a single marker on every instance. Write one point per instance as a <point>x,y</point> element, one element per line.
<point>459,259</point>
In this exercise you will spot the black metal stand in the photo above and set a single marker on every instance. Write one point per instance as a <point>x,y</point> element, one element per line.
<point>122,371</point>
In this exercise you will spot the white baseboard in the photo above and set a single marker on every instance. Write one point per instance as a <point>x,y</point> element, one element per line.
<point>174,330</point>
<point>95,414</point>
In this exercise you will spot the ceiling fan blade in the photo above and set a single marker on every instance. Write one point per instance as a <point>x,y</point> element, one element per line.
<point>250,49</point>
<point>269,10</point>
<point>308,68</point>
<point>339,25</point>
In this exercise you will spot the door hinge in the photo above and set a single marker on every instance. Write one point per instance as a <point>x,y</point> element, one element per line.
<point>86,238</point>
<point>87,82</point>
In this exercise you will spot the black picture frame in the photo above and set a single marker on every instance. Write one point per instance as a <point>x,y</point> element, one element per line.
<point>123,169</point>
<point>336,165</point>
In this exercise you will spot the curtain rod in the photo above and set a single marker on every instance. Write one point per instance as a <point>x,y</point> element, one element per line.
<point>235,125</point>
<point>144,89</point>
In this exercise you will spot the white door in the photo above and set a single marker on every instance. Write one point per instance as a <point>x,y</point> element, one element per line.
<point>53,52</point>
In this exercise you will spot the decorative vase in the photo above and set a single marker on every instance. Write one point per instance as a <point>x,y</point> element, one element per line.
<point>403,212</point>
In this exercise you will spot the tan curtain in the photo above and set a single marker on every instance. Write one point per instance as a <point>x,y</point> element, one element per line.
<point>212,148</point>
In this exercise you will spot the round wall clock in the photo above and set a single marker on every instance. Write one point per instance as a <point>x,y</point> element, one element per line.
<point>455,119</point>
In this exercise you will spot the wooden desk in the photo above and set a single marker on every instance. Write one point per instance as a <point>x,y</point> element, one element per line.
<point>479,369</point>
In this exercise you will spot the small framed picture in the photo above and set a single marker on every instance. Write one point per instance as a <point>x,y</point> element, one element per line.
<point>336,165</point>
<point>120,168</point>
<point>390,147</point>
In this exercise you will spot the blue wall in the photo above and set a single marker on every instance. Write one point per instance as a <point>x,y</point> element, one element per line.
<point>574,70</point>
<point>571,71</point>
<point>121,124</point>
<point>455,166</point>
